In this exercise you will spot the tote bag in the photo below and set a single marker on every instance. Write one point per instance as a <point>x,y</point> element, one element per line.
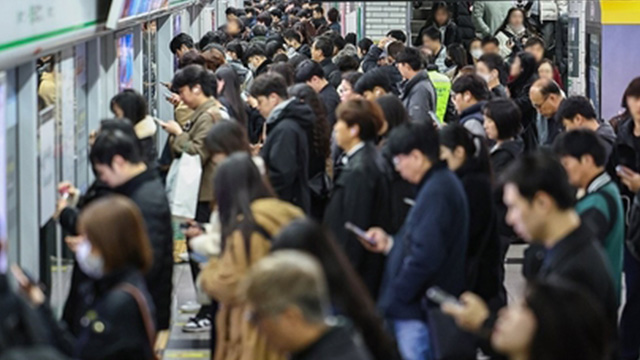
<point>183,185</point>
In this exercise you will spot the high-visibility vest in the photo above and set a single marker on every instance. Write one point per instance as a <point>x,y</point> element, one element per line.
<point>442,84</point>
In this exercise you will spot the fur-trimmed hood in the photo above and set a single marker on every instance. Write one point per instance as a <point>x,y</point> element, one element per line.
<point>146,128</point>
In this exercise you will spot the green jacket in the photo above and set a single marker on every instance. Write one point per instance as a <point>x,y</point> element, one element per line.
<point>442,84</point>
<point>601,210</point>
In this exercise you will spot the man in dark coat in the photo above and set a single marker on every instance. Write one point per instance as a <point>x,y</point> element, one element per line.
<point>118,163</point>
<point>322,52</point>
<point>286,150</point>
<point>370,61</point>
<point>361,193</point>
<point>462,17</point>
<point>311,73</point>
<point>419,94</point>
<point>287,293</point>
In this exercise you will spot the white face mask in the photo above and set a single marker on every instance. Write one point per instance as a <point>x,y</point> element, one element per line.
<point>92,265</point>
<point>252,67</point>
<point>476,53</point>
<point>486,77</point>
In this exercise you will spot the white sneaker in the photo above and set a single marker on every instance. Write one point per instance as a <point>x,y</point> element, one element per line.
<point>195,325</point>
<point>190,307</point>
<point>184,256</point>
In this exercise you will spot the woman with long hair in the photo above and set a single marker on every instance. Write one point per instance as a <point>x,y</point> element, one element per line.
<point>523,74</point>
<point>320,143</point>
<point>229,93</point>
<point>457,59</point>
<point>250,215</point>
<point>513,32</point>
<point>348,293</point>
<point>132,106</point>
<point>440,19</point>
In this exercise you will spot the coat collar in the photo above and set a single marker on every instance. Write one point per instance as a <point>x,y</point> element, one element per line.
<point>134,183</point>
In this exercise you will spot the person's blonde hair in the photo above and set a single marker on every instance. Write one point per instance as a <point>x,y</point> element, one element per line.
<point>287,278</point>
<point>114,225</point>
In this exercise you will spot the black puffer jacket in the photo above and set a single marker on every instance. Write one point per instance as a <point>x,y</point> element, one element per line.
<point>147,192</point>
<point>113,328</point>
<point>286,151</point>
<point>462,17</point>
<point>340,342</point>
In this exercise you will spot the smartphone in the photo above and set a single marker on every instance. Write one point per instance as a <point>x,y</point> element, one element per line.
<point>359,232</point>
<point>409,202</point>
<point>622,170</point>
<point>439,296</point>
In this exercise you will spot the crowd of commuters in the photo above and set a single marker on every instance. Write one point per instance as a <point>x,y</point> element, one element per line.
<point>443,153</point>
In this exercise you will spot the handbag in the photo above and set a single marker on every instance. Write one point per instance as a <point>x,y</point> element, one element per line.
<point>144,312</point>
<point>183,185</point>
<point>448,341</point>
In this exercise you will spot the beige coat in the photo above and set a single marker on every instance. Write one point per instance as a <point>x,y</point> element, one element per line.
<point>236,338</point>
<point>192,143</point>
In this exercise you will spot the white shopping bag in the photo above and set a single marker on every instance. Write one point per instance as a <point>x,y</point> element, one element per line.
<point>183,185</point>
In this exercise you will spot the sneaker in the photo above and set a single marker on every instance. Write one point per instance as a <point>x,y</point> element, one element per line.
<point>195,325</point>
<point>190,307</point>
<point>184,256</point>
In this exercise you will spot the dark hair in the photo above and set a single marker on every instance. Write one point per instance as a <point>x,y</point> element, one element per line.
<point>267,84</point>
<point>398,35</point>
<point>366,114</point>
<point>432,33</point>
<point>506,115</point>
<point>179,40</point>
<point>213,57</point>
<point>120,141</point>
<point>251,11</point>
<point>337,39</point>
<point>237,184</point>
<point>574,105</point>
<point>291,34</point>
<point>321,131</point>
<point>490,40</point>
<point>236,47</point>
<point>307,30</point>
<point>280,58</point>
<point>632,90</point>
<point>324,44</point>
<point>318,9</point>
<point>307,69</point>
<point>437,6</point>
<point>190,57</point>
<point>259,29</point>
<point>364,45</point>
<point>394,111</point>
<point>495,62</point>
<point>333,14</point>
<point>476,152</point>
<point>415,136</point>
<point>213,37</point>
<point>529,71</point>
<point>193,75</point>
<point>133,105</point>
<point>579,142</point>
<point>533,41</point>
<point>255,50</point>
<point>272,48</point>
<point>371,79</point>
<point>473,84</point>
<point>264,18</point>
<point>351,38</point>
<point>347,63</point>
<point>352,77</point>
<point>570,322</point>
<point>458,54</point>
<point>525,23</point>
<point>286,70</point>
<point>541,171</point>
<point>230,11</point>
<point>277,13</point>
<point>231,92</point>
<point>395,48</point>
<point>227,137</point>
<point>346,288</point>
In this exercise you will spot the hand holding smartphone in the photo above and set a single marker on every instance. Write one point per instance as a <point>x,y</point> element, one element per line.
<point>439,296</point>
<point>359,232</point>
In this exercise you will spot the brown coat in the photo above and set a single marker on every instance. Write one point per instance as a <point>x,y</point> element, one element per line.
<point>237,339</point>
<point>192,143</point>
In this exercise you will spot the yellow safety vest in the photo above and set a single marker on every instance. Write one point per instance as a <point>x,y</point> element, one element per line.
<point>442,84</point>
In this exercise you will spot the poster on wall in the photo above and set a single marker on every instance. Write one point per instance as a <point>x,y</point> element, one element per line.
<point>47,164</point>
<point>125,62</point>
<point>68,117</point>
<point>3,177</point>
<point>594,71</point>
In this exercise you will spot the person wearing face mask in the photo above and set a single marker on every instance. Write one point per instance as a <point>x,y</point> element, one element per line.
<point>257,60</point>
<point>513,33</point>
<point>117,310</point>
<point>475,51</point>
<point>491,67</point>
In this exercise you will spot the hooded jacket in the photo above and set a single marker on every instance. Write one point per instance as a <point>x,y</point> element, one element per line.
<point>286,151</point>
<point>236,338</point>
<point>419,97</point>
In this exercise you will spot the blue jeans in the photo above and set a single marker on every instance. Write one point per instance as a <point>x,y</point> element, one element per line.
<point>413,339</point>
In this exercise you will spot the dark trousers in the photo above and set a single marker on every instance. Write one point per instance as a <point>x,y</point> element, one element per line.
<point>630,322</point>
